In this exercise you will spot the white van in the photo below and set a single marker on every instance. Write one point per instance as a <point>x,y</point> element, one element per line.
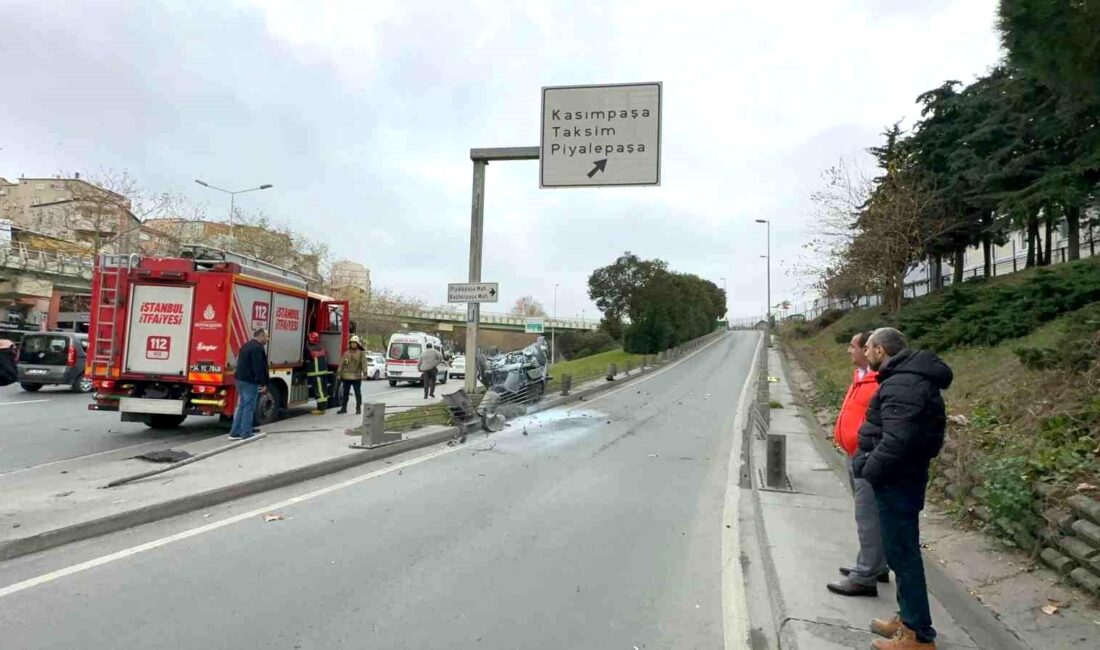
<point>403,357</point>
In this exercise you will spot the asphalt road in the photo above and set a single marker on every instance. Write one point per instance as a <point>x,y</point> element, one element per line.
<point>600,528</point>
<point>55,424</point>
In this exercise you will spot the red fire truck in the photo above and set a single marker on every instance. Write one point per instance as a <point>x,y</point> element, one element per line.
<point>165,334</point>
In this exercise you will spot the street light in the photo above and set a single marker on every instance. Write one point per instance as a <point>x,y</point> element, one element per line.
<point>232,195</point>
<point>726,296</point>
<point>768,315</point>
<point>554,328</point>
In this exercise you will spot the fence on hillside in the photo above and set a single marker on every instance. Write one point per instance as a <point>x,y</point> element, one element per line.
<point>811,309</point>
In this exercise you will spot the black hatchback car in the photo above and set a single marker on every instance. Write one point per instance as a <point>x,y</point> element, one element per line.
<point>54,359</point>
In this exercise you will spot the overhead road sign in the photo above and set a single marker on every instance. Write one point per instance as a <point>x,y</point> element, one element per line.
<point>534,326</point>
<point>473,291</point>
<point>606,135</point>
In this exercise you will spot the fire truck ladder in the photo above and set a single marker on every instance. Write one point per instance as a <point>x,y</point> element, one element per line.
<point>113,270</point>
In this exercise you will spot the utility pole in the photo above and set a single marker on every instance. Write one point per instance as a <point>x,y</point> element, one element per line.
<point>768,314</point>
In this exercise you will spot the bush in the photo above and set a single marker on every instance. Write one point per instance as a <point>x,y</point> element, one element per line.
<point>1075,350</point>
<point>827,318</point>
<point>978,314</point>
<point>574,345</point>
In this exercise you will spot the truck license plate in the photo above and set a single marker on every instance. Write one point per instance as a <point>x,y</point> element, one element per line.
<point>37,371</point>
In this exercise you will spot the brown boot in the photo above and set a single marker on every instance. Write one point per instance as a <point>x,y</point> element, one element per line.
<point>886,628</point>
<point>905,639</point>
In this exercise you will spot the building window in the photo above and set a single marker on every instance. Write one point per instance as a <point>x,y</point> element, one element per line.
<point>58,186</point>
<point>39,186</point>
<point>36,200</point>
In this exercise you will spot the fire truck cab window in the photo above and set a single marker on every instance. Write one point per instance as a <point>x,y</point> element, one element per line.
<point>335,317</point>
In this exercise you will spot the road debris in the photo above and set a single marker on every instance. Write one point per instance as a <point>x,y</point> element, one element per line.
<point>163,456</point>
<point>274,516</point>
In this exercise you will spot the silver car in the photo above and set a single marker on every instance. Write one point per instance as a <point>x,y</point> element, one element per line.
<point>54,359</point>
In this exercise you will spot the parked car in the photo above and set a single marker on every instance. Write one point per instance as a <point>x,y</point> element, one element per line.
<point>376,366</point>
<point>458,368</point>
<point>54,359</point>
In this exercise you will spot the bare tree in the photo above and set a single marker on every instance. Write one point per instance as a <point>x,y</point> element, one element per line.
<point>528,306</point>
<point>873,232</point>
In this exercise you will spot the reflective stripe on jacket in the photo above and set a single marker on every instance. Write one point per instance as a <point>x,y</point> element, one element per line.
<point>854,410</point>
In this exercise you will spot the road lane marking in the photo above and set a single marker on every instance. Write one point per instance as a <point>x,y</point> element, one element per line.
<point>193,532</point>
<point>735,619</point>
<point>29,401</point>
<point>654,374</point>
<point>258,512</point>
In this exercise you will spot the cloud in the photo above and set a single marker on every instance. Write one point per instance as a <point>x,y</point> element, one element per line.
<point>362,116</point>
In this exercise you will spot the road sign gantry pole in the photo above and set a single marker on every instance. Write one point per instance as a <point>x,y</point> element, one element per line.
<point>481,159</point>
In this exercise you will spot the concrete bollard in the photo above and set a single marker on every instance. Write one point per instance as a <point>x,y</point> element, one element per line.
<point>373,429</point>
<point>612,370</point>
<point>776,472</point>
<point>627,367</point>
<point>566,384</point>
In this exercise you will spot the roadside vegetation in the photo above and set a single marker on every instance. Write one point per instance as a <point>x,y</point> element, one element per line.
<point>1025,403</point>
<point>650,308</point>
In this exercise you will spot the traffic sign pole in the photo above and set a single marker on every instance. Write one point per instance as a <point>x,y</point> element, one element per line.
<point>477,224</point>
<point>481,158</point>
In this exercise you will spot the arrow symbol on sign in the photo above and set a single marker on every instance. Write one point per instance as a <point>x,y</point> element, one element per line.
<point>600,165</point>
<point>492,293</point>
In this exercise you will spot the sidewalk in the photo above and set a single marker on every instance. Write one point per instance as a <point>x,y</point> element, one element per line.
<point>56,503</point>
<point>995,594</point>
<point>809,531</point>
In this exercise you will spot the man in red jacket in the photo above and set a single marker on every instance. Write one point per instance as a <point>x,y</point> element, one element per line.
<point>870,567</point>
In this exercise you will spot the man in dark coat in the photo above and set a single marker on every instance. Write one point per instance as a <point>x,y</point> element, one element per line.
<point>8,369</point>
<point>251,379</point>
<point>903,432</point>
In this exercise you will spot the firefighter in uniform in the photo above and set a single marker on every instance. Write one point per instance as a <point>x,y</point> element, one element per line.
<point>318,373</point>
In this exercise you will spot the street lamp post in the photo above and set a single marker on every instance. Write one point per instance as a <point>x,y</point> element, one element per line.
<point>233,195</point>
<point>768,316</point>
<point>554,329</point>
<point>727,298</point>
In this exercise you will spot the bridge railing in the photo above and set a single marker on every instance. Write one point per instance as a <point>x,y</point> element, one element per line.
<point>16,255</point>
<point>459,316</point>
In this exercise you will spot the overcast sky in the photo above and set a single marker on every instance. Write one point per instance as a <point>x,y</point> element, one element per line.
<point>362,114</point>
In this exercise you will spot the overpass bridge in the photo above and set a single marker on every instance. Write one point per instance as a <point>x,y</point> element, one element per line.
<point>445,319</point>
<point>26,272</point>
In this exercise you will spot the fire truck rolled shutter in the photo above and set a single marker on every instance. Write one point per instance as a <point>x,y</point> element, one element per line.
<point>158,338</point>
<point>287,330</point>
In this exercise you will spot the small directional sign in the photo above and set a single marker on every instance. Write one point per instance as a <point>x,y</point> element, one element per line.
<point>601,135</point>
<point>534,326</point>
<point>473,292</point>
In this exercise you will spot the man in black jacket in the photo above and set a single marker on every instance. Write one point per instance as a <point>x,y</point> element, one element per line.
<point>252,379</point>
<point>903,432</point>
<point>8,372</point>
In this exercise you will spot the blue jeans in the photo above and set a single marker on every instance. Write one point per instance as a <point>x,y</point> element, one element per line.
<point>247,396</point>
<point>899,506</point>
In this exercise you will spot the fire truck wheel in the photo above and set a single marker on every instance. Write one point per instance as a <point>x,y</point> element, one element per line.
<point>393,383</point>
<point>267,408</point>
<point>162,421</point>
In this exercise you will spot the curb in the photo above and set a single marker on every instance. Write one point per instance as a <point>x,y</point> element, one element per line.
<point>776,604</point>
<point>18,547</point>
<point>977,620</point>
